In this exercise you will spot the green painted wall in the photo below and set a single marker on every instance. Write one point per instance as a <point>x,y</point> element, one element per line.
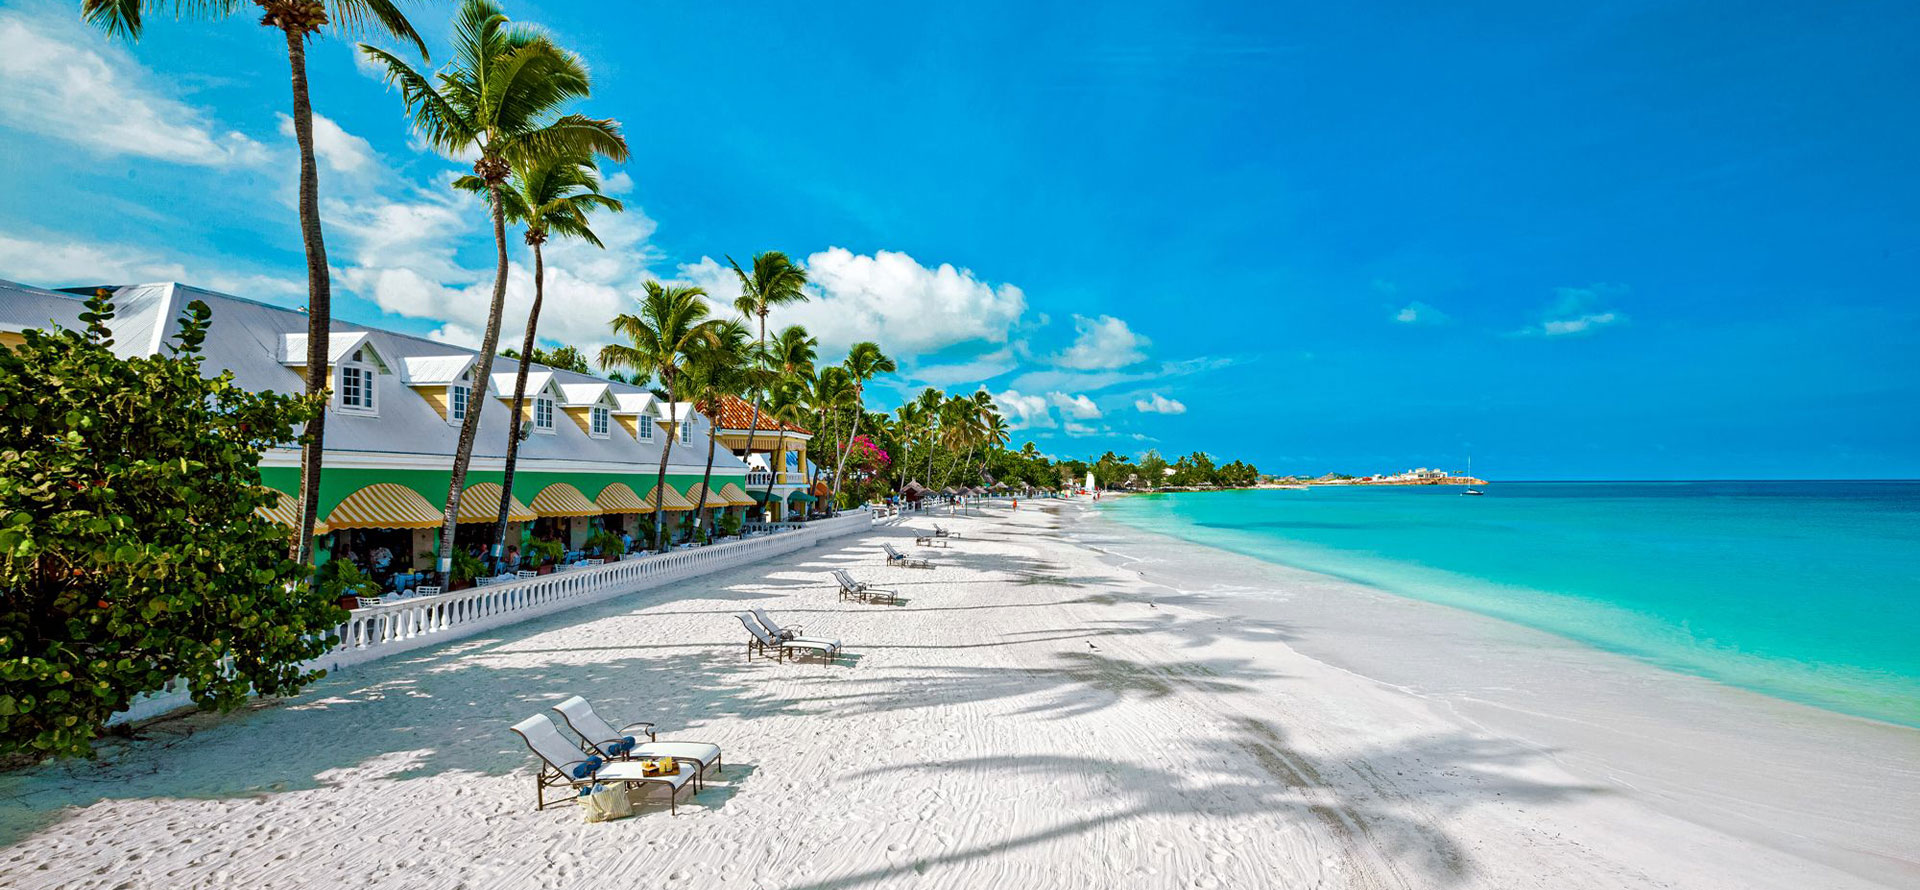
<point>337,484</point>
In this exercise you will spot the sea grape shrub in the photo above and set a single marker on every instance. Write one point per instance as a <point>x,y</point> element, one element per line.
<point>130,552</point>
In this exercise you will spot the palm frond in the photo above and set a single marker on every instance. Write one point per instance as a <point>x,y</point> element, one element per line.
<point>361,16</point>
<point>434,117</point>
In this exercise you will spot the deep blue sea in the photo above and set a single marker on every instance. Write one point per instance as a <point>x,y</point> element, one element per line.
<point>1808,591</point>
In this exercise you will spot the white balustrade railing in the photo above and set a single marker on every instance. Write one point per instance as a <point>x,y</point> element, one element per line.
<point>397,625</point>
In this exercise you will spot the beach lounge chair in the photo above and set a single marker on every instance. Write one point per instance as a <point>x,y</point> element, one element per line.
<point>763,641</point>
<point>849,588</point>
<point>788,632</point>
<point>939,532</point>
<point>603,739</point>
<point>896,558</point>
<point>862,591</point>
<point>564,765</point>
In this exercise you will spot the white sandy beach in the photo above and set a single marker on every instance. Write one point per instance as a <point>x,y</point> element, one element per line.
<point>1037,712</point>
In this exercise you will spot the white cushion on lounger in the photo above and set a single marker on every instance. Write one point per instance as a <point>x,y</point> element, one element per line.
<point>810,643</point>
<point>701,751</point>
<point>630,771</point>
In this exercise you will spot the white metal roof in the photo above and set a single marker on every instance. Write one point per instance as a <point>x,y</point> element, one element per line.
<point>248,337</point>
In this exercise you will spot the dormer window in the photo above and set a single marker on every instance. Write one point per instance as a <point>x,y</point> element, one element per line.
<point>458,395</point>
<point>646,428</point>
<point>543,414</point>
<point>686,431</point>
<point>355,386</point>
<point>600,421</point>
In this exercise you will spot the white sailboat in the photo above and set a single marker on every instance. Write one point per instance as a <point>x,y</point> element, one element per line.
<point>1470,489</point>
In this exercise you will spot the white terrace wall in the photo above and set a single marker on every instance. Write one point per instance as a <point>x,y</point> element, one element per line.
<point>394,627</point>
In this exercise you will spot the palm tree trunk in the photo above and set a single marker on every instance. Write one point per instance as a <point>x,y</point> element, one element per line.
<point>660,480</point>
<point>779,446</point>
<point>319,298</point>
<point>700,508</point>
<point>758,394</point>
<point>482,372</point>
<point>859,408</point>
<point>519,403</point>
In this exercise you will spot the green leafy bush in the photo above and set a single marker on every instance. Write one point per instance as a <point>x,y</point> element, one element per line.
<point>466,566</point>
<point>130,553</point>
<point>728,523</point>
<point>606,542</point>
<point>539,552</point>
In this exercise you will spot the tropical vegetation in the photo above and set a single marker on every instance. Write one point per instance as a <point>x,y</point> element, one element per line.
<point>131,555</point>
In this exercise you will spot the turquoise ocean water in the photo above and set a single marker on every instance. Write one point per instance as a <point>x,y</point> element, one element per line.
<point>1808,591</point>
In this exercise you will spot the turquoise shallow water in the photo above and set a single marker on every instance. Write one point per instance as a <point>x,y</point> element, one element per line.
<point>1804,590</point>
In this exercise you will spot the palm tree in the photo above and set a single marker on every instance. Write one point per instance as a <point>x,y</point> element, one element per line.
<point>790,356</point>
<point>776,281</point>
<point>832,391</point>
<point>912,420</point>
<point>501,96</point>
<point>723,365</point>
<point>550,195</point>
<point>672,324</point>
<point>929,403</point>
<point>786,404</point>
<point>296,20</point>
<point>864,362</point>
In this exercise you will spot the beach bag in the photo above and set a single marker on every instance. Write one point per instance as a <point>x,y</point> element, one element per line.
<point>605,802</point>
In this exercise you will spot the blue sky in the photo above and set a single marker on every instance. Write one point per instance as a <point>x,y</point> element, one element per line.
<point>1624,240</point>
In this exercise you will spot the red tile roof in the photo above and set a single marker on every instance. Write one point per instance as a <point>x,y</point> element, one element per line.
<point>734,413</point>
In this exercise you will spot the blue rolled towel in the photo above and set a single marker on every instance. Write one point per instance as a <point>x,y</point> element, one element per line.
<point>627,743</point>
<point>586,767</point>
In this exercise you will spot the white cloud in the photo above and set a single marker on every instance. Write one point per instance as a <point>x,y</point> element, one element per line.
<point>973,370</point>
<point>1075,428</point>
<point>1024,411</point>
<point>340,150</point>
<point>1048,379</point>
<point>62,261</point>
<point>60,79</point>
<point>585,287</point>
<point>1078,407</point>
<point>892,299</point>
<point>1156,403</point>
<point>617,184</point>
<point>1102,343</point>
<point>1417,312</point>
<point>58,261</point>
<point>1579,310</point>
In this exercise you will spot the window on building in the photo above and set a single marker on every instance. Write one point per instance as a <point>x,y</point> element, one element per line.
<point>686,430</point>
<point>543,414</point>
<point>356,383</point>
<point>646,426</point>
<point>600,422</point>
<point>457,400</point>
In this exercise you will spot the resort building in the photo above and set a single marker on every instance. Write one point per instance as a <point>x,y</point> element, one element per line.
<point>777,463</point>
<point>588,460</point>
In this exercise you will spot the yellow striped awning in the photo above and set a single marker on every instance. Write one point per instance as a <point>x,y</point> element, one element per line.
<point>480,502</point>
<point>715,499</point>
<point>384,505</point>
<point>737,496</point>
<point>670,500</point>
<point>618,498</point>
<point>284,510</point>
<point>561,499</point>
